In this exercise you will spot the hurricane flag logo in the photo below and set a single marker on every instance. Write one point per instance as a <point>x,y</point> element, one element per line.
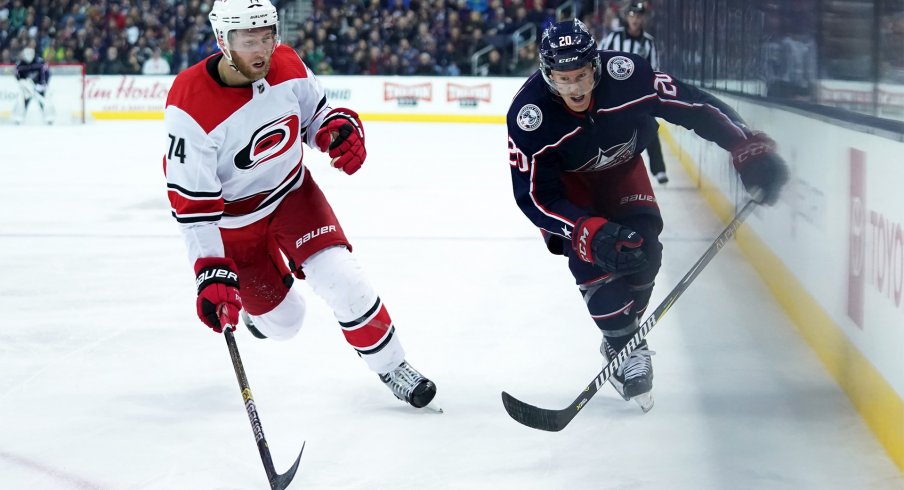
<point>268,142</point>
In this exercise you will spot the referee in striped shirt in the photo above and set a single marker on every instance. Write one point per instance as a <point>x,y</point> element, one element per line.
<point>633,39</point>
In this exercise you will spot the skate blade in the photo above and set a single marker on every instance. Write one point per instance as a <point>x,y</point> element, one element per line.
<point>432,407</point>
<point>644,401</point>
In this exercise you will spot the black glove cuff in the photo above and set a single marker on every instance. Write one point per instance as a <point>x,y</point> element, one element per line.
<point>213,274</point>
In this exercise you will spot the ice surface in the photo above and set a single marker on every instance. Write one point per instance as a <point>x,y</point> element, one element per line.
<point>110,381</point>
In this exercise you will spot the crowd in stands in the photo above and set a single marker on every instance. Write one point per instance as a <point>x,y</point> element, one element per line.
<point>362,37</point>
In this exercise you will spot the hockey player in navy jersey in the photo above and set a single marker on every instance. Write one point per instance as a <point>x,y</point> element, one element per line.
<point>244,199</point>
<point>576,130</point>
<point>33,75</point>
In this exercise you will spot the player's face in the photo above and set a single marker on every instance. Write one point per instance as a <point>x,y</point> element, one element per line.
<point>251,50</point>
<point>574,86</point>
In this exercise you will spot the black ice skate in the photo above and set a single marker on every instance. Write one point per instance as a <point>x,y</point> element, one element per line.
<point>410,386</point>
<point>250,325</point>
<point>634,378</point>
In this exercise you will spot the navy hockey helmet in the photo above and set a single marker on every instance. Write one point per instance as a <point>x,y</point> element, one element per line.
<point>637,8</point>
<point>567,46</point>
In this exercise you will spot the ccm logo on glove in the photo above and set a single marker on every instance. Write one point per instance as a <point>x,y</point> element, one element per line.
<point>762,171</point>
<point>609,245</point>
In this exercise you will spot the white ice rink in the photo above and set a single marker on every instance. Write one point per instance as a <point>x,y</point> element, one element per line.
<point>109,381</point>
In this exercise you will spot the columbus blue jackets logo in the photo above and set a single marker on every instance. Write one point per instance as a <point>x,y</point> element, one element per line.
<point>620,68</point>
<point>616,155</point>
<point>268,142</point>
<point>530,117</point>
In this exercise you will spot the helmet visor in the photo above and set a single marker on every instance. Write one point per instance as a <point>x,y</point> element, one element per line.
<point>574,83</point>
<point>250,43</point>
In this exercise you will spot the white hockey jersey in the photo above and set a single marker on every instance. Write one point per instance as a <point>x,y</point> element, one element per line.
<point>235,152</point>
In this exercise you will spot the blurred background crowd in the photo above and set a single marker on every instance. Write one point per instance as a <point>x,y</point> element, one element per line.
<point>366,37</point>
<point>845,53</point>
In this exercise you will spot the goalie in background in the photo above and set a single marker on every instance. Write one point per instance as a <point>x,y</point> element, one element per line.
<point>33,74</point>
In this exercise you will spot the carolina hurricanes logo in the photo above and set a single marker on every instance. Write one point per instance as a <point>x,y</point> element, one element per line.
<point>268,142</point>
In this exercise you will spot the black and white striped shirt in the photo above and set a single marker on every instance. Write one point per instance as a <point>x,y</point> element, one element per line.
<point>643,45</point>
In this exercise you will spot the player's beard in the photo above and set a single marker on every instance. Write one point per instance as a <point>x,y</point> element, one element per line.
<point>253,69</point>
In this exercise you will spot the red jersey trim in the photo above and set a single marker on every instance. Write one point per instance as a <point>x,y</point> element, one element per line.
<point>209,104</point>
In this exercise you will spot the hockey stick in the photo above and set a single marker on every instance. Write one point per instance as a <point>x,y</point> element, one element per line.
<point>277,481</point>
<point>556,420</point>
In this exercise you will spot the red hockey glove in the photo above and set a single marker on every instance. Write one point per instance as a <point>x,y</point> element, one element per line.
<point>342,134</point>
<point>762,171</point>
<point>613,247</point>
<point>218,284</point>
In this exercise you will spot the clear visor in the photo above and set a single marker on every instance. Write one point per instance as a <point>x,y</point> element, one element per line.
<point>250,43</point>
<point>574,83</point>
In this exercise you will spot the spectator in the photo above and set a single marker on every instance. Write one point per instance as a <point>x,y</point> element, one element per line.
<point>155,65</point>
<point>92,65</point>
<point>133,64</point>
<point>112,65</point>
<point>425,65</point>
<point>496,67</point>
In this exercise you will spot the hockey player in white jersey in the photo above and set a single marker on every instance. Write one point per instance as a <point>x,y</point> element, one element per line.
<point>244,199</point>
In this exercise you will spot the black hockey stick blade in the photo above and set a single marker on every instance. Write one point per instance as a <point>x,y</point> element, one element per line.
<point>280,482</point>
<point>276,480</point>
<point>535,417</point>
<point>556,420</point>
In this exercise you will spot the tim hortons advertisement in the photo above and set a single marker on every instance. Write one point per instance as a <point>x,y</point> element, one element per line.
<point>126,93</point>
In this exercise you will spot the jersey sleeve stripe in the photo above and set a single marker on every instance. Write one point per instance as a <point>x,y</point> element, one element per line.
<point>728,121</point>
<point>197,218</point>
<point>182,206</point>
<point>196,195</point>
<point>533,195</point>
<point>626,104</point>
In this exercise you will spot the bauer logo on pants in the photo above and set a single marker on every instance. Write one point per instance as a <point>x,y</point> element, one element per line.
<point>323,230</point>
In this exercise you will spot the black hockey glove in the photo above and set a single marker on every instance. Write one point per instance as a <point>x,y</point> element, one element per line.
<point>613,247</point>
<point>762,171</point>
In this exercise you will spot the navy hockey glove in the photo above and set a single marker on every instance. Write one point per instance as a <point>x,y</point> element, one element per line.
<point>218,284</point>
<point>342,134</point>
<point>613,247</point>
<point>760,167</point>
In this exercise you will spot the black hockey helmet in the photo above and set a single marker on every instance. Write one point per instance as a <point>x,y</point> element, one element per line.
<point>566,46</point>
<point>637,8</point>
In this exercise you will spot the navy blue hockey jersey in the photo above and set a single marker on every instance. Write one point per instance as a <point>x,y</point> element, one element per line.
<point>548,141</point>
<point>37,71</point>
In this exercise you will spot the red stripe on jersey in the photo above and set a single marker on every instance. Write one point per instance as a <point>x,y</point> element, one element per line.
<point>183,205</point>
<point>249,204</point>
<point>209,103</point>
<point>285,65</point>
<point>244,206</point>
<point>201,97</point>
<point>369,335</point>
